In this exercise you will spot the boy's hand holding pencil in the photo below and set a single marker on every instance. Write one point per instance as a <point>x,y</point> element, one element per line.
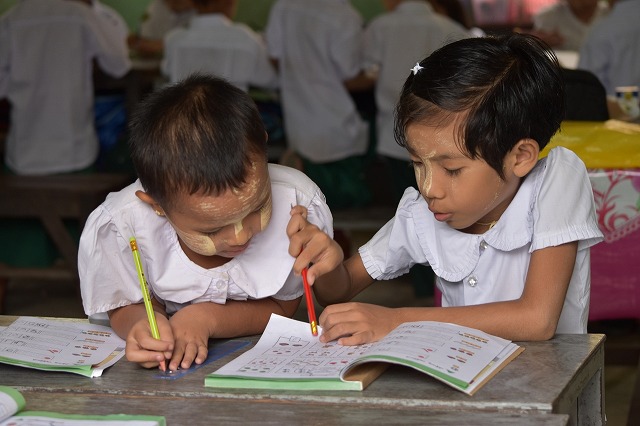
<point>143,348</point>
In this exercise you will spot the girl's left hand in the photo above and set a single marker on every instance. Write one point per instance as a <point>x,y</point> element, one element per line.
<point>191,338</point>
<point>356,323</point>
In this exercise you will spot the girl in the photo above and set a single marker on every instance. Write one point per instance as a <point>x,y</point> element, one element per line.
<point>506,234</point>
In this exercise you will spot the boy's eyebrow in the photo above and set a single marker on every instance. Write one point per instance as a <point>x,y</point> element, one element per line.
<point>439,157</point>
<point>445,156</point>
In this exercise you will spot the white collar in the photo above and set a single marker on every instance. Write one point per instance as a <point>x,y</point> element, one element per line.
<point>458,253</point>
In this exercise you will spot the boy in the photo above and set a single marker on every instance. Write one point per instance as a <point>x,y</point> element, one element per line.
<point>209,215</point>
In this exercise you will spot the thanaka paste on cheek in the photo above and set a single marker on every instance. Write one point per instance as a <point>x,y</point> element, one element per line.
<point>265,215</point>
<point>238,227</point>
<point>200,244</point>
<point>496,196</point>
<point>426,180</point>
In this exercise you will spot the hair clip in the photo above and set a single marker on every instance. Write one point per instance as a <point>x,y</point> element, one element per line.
<point>417,68</point>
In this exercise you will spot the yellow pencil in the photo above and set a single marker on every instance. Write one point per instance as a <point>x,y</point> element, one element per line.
<point>145,294</point>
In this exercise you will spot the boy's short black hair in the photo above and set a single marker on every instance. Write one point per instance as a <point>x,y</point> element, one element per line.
<point>196,136</point>
<point>510,87</point>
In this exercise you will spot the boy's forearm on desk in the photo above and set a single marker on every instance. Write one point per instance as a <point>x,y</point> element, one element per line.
<point>242,317</point>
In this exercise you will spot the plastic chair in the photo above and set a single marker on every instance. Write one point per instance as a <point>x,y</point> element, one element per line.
<point>585,96</point>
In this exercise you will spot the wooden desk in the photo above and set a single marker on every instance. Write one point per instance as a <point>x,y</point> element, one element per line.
<point>52,199</point>
<point>205,411</point>
<point>560,376</point>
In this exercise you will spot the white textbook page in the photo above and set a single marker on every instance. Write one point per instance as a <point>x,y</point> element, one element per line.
<point>44,342</point>
<point>452,350</point>
<point>288,350</point>
<point>8,404</point>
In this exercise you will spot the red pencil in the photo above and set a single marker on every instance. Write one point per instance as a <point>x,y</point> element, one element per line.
<point>310,306</point>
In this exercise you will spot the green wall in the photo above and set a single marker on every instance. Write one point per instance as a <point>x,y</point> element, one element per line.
<point>252,12</point>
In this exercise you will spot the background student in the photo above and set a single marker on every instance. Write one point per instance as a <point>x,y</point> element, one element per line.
<point>611,50</point>
<point>213,43</point>
<point>161,16</point>
<point>507,234</point>
<point>209,215</point>
<point>394,42</point>
<point>565,24</point>
<point>47,56</point>
<point>317,46</point>
<point>46,63</point>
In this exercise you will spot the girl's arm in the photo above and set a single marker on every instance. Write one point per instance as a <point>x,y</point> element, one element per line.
<point>343,283</point>
<point>534,316</point>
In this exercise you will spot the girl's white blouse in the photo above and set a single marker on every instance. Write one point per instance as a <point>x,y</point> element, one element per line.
<point>553,206</point>
<point>108,277</point>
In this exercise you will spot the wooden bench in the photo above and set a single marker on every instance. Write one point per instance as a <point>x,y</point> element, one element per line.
<point>51,199</point>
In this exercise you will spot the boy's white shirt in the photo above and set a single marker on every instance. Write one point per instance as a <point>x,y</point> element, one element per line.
<point>554,205</point>
<point>108,276</point>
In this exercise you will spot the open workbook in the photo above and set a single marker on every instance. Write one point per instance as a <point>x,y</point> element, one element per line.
<point>60,345</point>
<point>288,356</point>
<point>12,403</point>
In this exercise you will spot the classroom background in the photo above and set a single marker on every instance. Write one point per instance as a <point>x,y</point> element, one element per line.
<point>486,13</point>
<point>31,297</point>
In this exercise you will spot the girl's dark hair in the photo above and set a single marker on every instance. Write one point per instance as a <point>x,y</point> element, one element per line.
<point>198,135</point>
<point>510,87</point>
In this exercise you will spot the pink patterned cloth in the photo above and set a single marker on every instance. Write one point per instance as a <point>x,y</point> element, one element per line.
<point>615,263</point>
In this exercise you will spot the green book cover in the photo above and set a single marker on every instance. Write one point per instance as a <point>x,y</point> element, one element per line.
<point>12,403</point>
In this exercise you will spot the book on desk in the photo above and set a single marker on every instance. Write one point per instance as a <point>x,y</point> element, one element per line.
<point>60,345</point>
<point>288,356</point>
<point>12,404</point>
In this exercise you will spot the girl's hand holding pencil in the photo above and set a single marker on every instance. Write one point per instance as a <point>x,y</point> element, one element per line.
<point>320,250</point>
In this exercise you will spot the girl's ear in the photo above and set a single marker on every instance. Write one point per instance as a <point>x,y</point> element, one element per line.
<point>524,156</point>
<point>146,198</point>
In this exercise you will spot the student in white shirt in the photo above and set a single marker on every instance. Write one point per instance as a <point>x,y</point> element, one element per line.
<point>394,42</point>
<point>113,21</point>
<point>46,62</point>
<point>161,16</point>
<point>213,43</point>
<point>209,215</point>
<point>47,53</point>
<point>565,24</point>
<point>506,233</point>
<point>317,46</point>
<point>611,49</point>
